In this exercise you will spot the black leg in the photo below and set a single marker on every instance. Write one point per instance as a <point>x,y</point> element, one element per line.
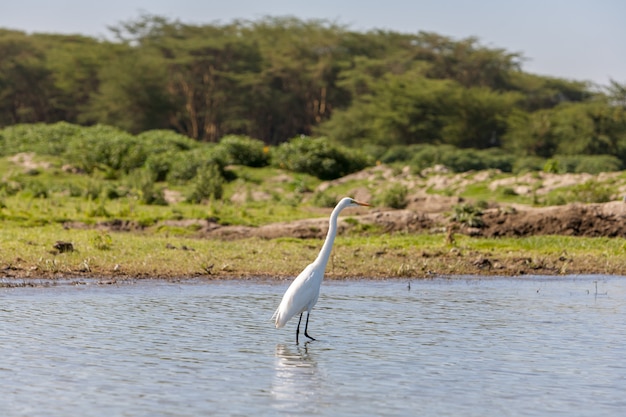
<point>298,329</point>
<point>306,327</point>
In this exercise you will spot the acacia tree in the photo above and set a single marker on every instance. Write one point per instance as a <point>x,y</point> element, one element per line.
<point>478,118</point>
<point>74,62</point>
<point>399,110</point>
<point>466,61</point>
<point>25,82</point>
<point>132,94</point>
<point>589,128</point>
<point>199,73</point>
<point>277,78</point>
<point>301,63</point>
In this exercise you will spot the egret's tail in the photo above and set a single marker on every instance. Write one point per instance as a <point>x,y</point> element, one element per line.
<point>279,319</point>
<point>276,319</point>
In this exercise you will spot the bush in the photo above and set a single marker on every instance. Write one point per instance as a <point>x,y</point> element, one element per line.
<point>394,197</point>
<point>528,163</point>
<point>185,166</point>
<point>469,215</point>
<point>399,153</point>
<point>160,164</point>
<point>35,189</point>
<point>149,192</point>
<point>40,138</point>
<point>208,184</point>
<point>323,199</point>
<point>242,150</point>
<point>105,148</point>
<point>592,164</point>
<point>162,141</point>
<point>595,164</point>
<point>460,160</point>
<point>318,157</point>
<point>590,192</point>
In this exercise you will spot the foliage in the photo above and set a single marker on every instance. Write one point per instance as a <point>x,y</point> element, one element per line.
<point>209,184</point>
<point>460,160</point>
<point>39,138</point>
<point>588,192</point>
<point>318,157</point>
<point>528,163</point>
<point>149,192</point>
<point>590,128</point>
<point>242,150</point>
<point>594,164</point>
<point>393,197</point>
<point>105,148</point>
<point>187,164</point>
<point>468,214</point>
<point>277,78</point>
<point>323,199</point>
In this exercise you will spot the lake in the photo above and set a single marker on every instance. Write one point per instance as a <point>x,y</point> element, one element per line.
<point>470,346</point>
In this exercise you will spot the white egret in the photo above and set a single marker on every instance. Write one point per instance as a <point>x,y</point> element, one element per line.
<point>304,291</point>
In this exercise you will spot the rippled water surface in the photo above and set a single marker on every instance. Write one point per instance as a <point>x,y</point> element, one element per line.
<point>446,347</point>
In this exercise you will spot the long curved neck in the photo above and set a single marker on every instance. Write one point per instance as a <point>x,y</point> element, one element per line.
<point>324,254</point>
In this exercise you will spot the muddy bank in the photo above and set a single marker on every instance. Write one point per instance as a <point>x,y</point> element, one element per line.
<point>423,215</point>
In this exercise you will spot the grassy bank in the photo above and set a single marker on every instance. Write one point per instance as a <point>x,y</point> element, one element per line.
<point>30,253</point>
<point>42,202</point>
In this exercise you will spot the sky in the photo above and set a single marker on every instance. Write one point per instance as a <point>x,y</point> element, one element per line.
<point>573,39</point>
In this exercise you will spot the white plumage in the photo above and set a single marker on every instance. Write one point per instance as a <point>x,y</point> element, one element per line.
<point>304,291</point>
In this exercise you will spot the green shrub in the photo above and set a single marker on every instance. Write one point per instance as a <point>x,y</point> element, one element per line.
<point>160,164</point>
<point>468,214</point>
<point>528,163</point>
<point>185,166</point>
<point>149,192</point>
<point>162,141</point>
<point>394,197</point>
<point>35,189</point>
<point>460,160</point>
<point>242,150</point>
<point>426,156</point>
<point>93,189</point>
<point>592,164</point>
<point>209,184</point>
<point>102,241</point>
<point>41,138</point>
<point>552,166</point>
<point>590,192</point>
<point>318,157</point>
<point>323,199</point>
<point>105,148</point>
<point>399,153</point>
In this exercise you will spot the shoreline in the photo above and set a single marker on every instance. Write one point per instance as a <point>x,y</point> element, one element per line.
<point>87,281</point>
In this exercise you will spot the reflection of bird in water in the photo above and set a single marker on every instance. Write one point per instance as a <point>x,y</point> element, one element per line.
<point>304,291</point>
<point>300,358</point>
<point>297,384</point>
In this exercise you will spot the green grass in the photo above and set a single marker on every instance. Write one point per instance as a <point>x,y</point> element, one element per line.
<point>35,205</point>
<point>30,252</point>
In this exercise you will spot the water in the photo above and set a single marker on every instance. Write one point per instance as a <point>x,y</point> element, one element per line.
<point>446,347</point>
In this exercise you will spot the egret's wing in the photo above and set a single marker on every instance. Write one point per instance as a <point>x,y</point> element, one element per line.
<point>300,294</point>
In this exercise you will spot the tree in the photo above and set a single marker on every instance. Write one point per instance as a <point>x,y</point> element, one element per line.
<point>133,92</point>
<point>479,116</point>
<point>25,82</point>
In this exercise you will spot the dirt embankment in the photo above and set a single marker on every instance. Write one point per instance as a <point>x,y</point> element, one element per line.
<point>432,215</point>
<point>429,214</point>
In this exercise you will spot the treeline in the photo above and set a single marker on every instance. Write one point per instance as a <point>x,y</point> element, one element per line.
<point>279,78</point>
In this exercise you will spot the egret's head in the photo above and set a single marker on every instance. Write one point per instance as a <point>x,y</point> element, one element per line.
<point>351,202</point>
